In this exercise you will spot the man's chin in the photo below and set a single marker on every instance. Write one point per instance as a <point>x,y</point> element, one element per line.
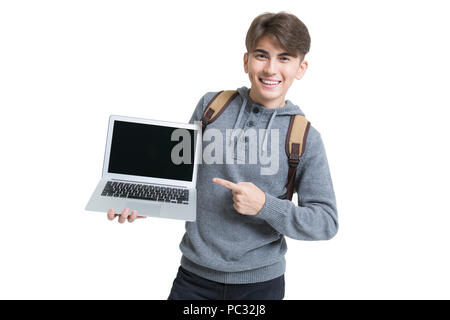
<point>268,95</point>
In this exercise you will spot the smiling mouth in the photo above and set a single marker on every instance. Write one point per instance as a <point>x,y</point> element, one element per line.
<point>269,83</point>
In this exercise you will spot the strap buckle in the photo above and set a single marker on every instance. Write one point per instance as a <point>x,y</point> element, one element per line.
<point>294,159</point>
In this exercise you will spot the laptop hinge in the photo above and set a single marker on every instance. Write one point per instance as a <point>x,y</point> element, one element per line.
<point>153,183</point>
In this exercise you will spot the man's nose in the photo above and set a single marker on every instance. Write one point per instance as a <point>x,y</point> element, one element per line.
<point>270,67</point>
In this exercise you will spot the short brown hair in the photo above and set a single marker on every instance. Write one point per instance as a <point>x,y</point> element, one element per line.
<point>291,33</point>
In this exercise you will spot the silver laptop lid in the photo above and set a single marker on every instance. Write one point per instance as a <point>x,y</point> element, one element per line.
<point>152,151</point>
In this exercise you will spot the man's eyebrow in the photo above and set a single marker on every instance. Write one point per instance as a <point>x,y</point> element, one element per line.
<point>280,54</point>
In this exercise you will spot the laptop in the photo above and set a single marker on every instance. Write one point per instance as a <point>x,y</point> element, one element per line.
<point>149,166</point>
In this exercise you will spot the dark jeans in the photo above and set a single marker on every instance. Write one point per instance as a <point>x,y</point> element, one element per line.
<point>188,286</point>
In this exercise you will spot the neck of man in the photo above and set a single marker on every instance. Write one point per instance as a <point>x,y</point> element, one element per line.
<point>269,104</point>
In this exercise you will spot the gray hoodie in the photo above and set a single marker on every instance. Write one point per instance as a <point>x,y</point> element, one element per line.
<point>225,246</point>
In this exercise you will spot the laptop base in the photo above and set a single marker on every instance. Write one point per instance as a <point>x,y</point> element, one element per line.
<point>177,211</point>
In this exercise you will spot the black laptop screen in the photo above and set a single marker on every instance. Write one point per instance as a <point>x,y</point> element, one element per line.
<point>148,150</point>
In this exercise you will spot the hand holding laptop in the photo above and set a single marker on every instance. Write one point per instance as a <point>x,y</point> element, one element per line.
<point>124,216</point>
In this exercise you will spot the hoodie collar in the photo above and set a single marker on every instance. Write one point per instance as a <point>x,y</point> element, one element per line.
<point>288,109</point>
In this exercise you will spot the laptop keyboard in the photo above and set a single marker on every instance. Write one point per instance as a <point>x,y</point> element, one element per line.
<point>146,192</point>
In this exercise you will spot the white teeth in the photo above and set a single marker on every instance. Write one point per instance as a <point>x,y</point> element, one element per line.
<point>269,82</point>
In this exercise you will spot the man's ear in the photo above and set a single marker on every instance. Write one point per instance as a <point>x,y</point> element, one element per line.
<point>301,70</point>
<point>246,62</point>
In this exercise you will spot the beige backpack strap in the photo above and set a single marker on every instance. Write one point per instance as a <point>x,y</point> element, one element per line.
<point>295,146</point>
<point>216,106</point>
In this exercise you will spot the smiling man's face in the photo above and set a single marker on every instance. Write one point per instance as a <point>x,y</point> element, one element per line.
<point>272,71</point>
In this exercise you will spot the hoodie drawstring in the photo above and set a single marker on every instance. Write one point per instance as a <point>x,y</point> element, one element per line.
<point>264,142</point>
<point>238,120</point>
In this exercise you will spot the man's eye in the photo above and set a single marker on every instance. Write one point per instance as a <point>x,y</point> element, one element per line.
<point>284,58</point>
<point>259,55</point>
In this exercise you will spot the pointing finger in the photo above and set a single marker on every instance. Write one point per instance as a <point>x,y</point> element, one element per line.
<point>227,184</point>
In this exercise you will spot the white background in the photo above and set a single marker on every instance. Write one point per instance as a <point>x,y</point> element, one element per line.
<point>375,89</point>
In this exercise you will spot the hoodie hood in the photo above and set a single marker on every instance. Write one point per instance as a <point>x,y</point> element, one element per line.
<point>287,110</point>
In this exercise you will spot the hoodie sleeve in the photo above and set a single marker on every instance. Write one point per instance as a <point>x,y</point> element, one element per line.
<point>315,217</point>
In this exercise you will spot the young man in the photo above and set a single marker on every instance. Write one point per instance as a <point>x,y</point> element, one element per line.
<point>235,249</point>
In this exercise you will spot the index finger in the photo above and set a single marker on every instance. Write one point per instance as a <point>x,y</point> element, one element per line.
<point>227,184</point>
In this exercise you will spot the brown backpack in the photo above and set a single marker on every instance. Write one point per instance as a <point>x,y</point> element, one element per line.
<point>295,137</point>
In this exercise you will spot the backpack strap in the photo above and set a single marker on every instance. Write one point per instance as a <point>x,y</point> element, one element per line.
<point>216,106</point>
<point>295,146</point>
